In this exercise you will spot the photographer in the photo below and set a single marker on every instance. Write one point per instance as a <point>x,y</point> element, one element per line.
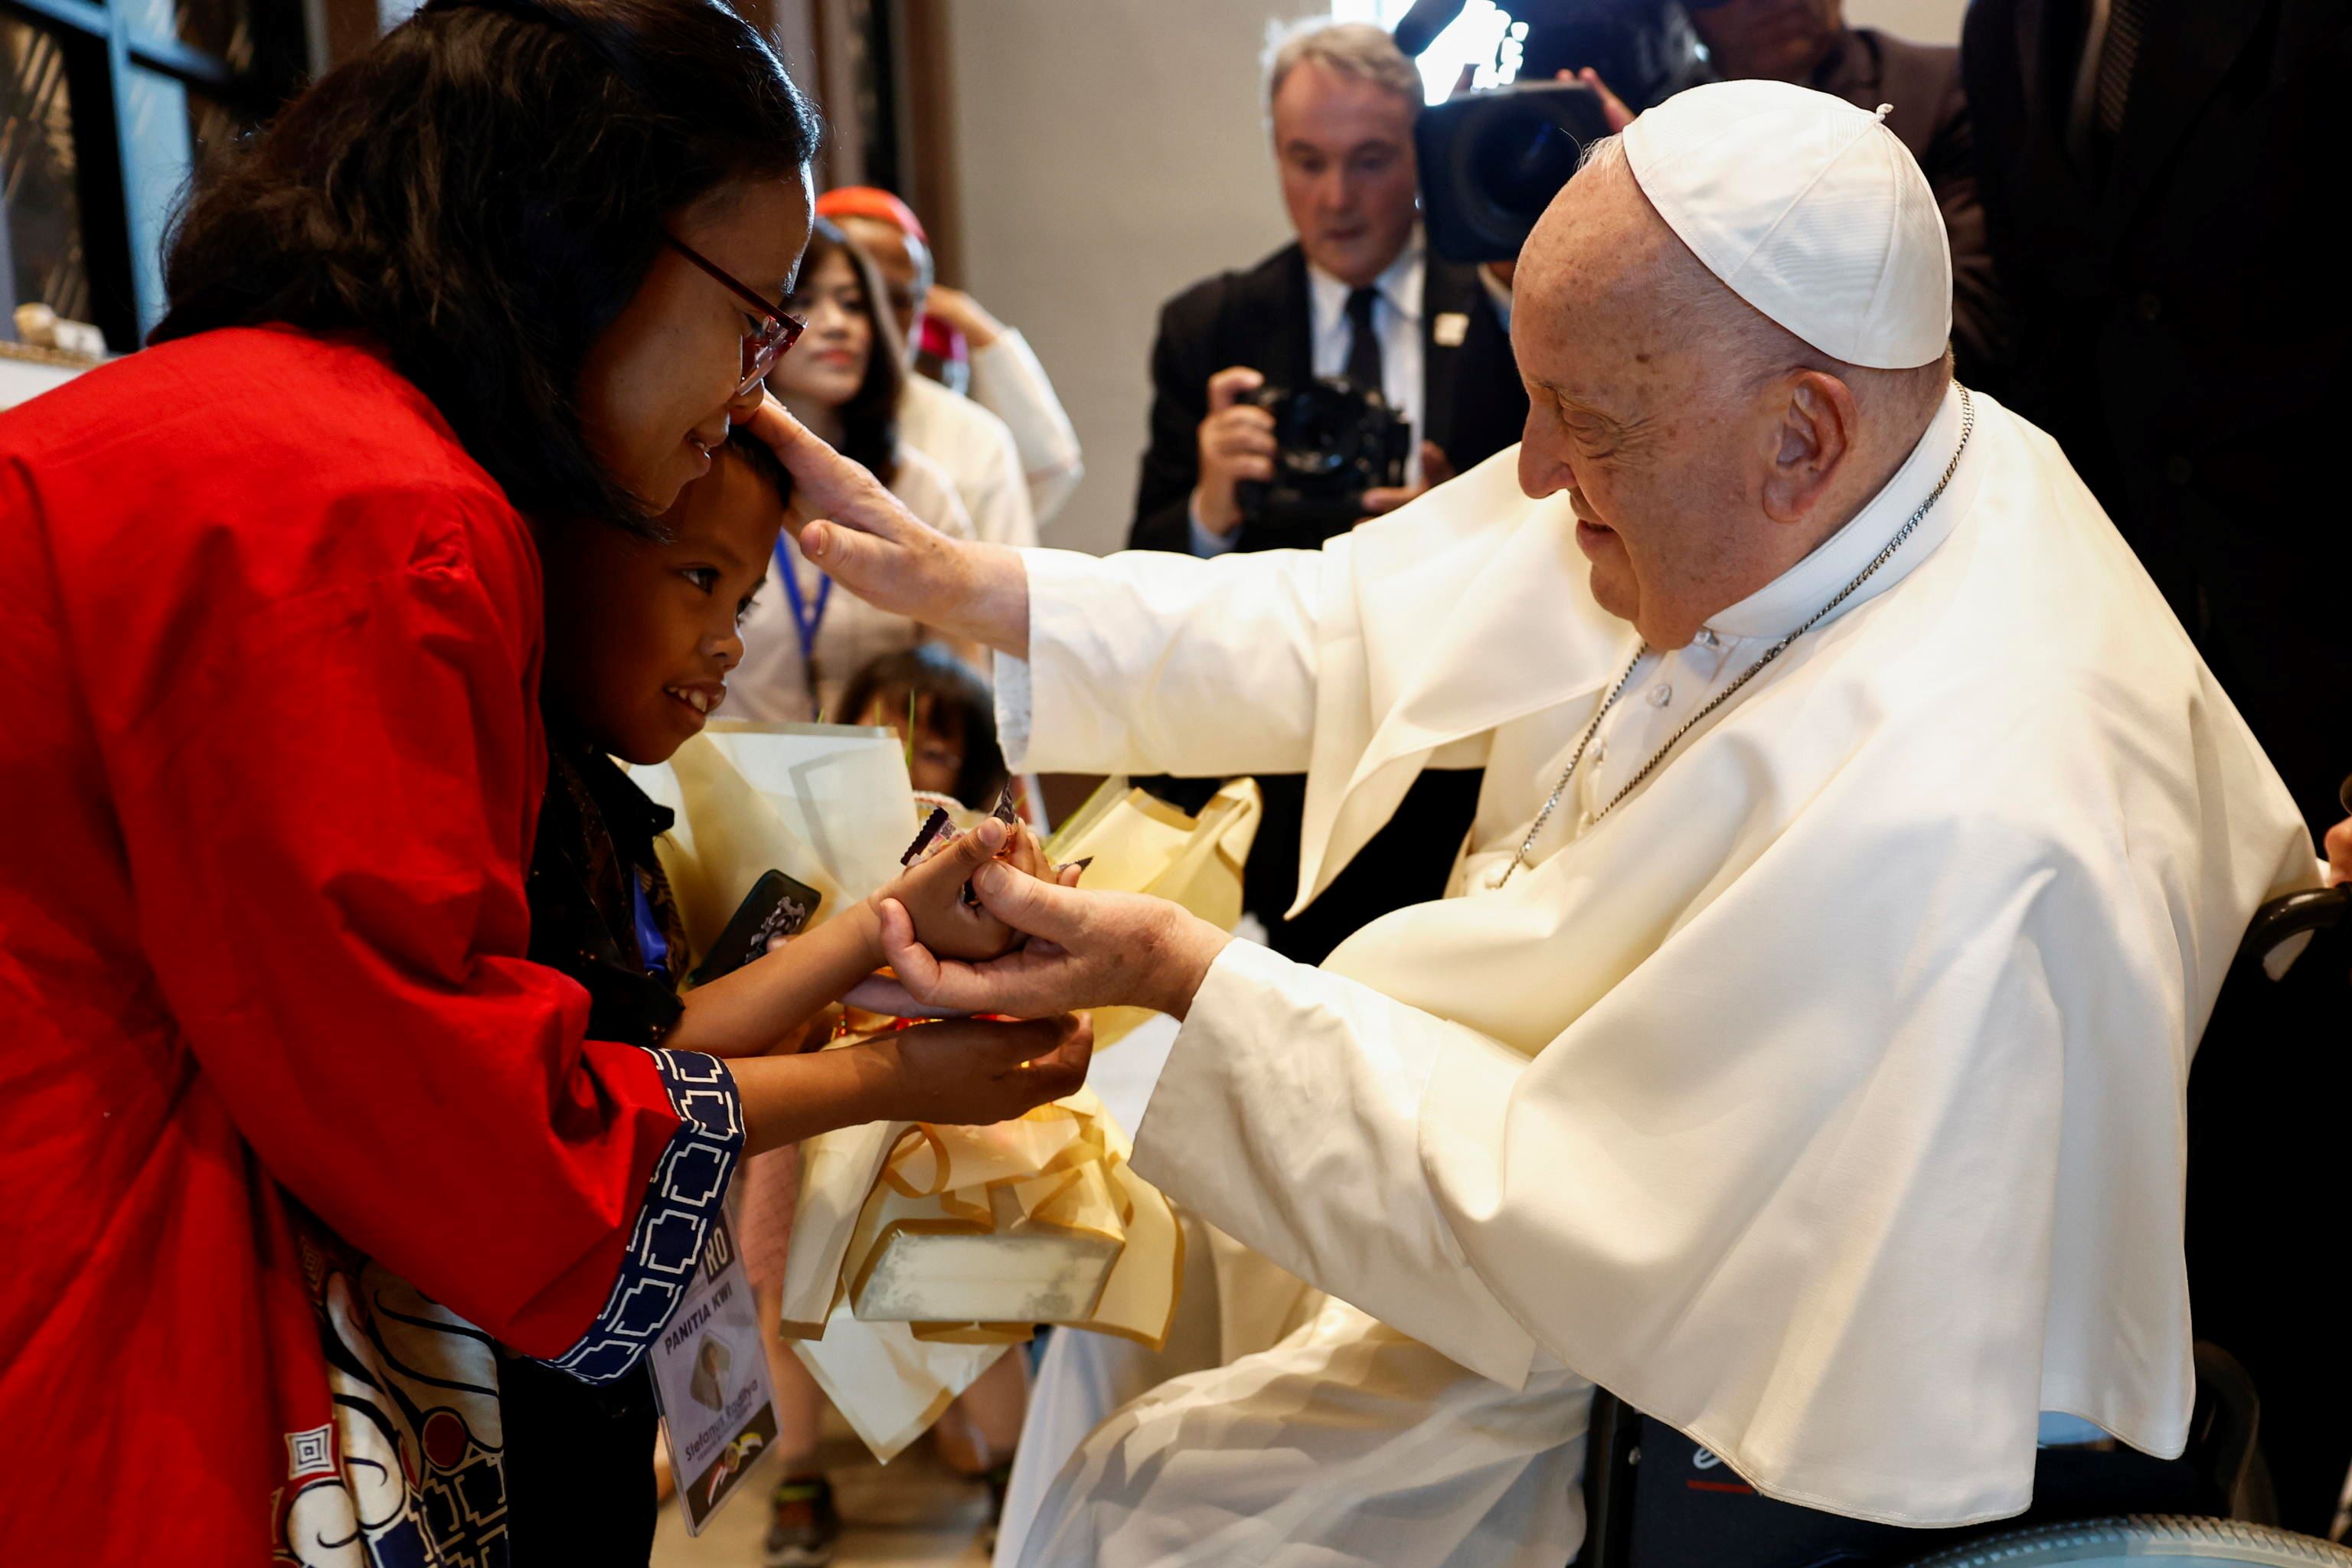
<point>1637,53</point>
<point>1357,294</point>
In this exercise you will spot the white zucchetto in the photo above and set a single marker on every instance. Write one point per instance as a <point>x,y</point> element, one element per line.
<point>1808,208</point>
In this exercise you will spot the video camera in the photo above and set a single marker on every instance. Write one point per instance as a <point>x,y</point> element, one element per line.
<point>1491,162</point>
<point>1333,441</point>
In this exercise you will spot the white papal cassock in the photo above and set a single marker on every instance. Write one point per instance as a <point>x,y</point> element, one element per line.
<point>1823,1099</point>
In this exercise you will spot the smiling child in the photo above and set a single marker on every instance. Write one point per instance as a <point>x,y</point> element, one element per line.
<point>641,638</point>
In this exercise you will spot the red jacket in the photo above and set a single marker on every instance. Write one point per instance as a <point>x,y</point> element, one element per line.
<point>269,763</point>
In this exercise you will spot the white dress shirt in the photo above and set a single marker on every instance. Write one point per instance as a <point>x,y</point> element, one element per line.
<point>978,451</point>
<point>1396,322</point>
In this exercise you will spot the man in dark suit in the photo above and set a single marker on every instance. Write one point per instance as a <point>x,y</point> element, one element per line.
<point>1807,42</point>
<point>1357,295</point>
<point>2157,182</point>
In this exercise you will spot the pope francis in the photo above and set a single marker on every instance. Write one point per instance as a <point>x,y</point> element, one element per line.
<point>1799,1052</point>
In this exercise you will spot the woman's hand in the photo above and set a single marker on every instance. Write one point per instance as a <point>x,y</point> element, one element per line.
<point>1085,950</point>
<point>1613,108</point>
<point>872,545</point>
<point>971,1073</point>
<point>965,313</point>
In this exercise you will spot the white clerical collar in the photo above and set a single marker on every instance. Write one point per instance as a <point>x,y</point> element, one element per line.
<point>1399,284</point>
<point>1782,604</point>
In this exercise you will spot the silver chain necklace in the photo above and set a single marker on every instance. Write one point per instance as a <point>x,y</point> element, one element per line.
<point>1560,791</point>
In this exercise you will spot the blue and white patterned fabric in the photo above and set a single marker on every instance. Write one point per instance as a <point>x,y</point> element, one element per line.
<point>689,1184</point>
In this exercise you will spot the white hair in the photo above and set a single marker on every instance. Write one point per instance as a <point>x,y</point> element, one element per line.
<point>1608,152</point>
<point>1357,50</point>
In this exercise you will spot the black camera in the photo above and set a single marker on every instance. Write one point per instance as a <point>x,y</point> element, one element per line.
<point>1491,162</point>
<point>1334,439</point>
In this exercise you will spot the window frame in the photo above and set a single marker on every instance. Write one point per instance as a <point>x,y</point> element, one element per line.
<point>100,46</point>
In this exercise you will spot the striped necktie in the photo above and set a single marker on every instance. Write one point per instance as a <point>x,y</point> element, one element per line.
<point>2127,21</point>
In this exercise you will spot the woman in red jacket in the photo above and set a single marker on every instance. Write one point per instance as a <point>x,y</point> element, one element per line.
<point>288,1125</point>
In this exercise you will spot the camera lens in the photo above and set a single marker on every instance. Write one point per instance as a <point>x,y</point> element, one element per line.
<point>1320,433</point>
<point>1526,162</point>
<point>1491,162</point>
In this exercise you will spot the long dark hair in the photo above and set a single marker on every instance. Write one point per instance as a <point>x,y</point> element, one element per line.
<point>481,193</point>
<point>869,420</point>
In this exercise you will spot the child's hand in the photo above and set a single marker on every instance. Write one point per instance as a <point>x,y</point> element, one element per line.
<point>931,892</point>
<point>973,1073</point>
<point>1026,854</point>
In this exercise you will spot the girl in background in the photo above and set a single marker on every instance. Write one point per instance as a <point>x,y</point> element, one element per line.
<point>941,708</point>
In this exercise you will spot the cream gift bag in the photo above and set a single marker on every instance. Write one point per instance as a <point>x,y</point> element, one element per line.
<point>888,1384</point>
<point>825,803</point>
<point>920,1252</point>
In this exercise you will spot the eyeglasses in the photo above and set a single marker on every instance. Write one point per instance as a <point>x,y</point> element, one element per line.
<point>776,333</point>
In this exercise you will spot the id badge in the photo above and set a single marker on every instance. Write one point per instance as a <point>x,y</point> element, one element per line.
<point>710,1381</point>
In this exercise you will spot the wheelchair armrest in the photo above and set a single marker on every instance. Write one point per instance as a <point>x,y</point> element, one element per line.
<point>2290,916</point>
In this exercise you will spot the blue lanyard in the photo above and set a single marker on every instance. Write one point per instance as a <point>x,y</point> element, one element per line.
<point>805,620</point>
<point>652,947</point>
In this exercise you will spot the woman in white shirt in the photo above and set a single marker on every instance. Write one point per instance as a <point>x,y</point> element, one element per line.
<point>1009,445</point>
<point>804,639</point>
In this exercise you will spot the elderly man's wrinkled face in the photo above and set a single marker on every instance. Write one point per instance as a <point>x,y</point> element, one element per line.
<point>1698,471</point>
<point>1345,149</point>
<point>1623,414</point>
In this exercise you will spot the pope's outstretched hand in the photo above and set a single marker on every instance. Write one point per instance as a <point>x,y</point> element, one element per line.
<point>863,537</point>
<point>1085,950</point>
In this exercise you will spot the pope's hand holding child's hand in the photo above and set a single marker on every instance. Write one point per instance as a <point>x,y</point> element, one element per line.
<point>1084,949</point>
<point>932,899</point>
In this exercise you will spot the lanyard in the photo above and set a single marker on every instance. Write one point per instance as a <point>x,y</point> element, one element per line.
<point>805,617</point>
<point>652,947</point>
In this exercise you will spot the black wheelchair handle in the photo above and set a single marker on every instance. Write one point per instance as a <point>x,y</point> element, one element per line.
<point>2291,915</point>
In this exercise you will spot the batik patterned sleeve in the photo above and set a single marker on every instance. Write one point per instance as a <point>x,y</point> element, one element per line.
<point>689,1184</point>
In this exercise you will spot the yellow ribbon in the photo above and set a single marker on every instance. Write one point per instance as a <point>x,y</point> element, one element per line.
<point>1075,1237</point>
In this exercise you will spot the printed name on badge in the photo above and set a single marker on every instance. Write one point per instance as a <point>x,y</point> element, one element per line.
<point>711,1382</point>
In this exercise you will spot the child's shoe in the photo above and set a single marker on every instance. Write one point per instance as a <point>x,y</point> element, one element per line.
<point>805,1529</point>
